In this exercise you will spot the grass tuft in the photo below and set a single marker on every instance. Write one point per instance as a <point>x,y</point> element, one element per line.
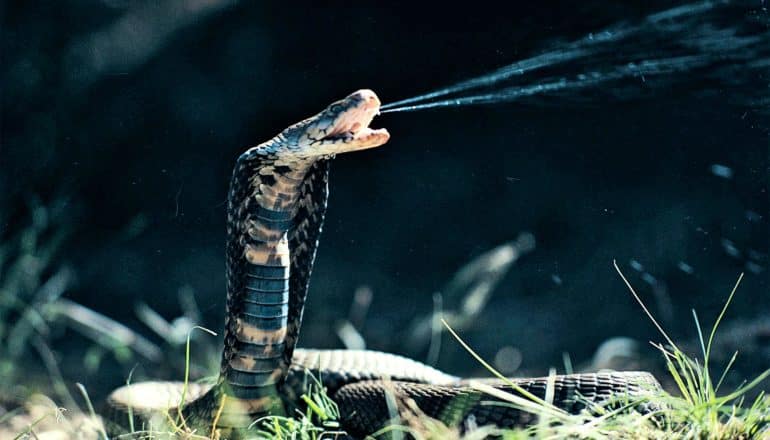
<point>320,418</point>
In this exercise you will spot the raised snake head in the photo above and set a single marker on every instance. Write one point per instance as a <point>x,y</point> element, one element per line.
<point>341,127</point>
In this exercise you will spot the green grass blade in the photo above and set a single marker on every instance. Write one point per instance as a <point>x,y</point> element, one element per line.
<point>186,383</point>
<point>721,315</point>
<point>497,374</point>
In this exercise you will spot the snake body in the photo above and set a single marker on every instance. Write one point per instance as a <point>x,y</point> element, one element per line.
<point>276,206</point>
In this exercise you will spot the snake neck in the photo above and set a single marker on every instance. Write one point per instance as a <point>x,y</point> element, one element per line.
<point>262,203</point>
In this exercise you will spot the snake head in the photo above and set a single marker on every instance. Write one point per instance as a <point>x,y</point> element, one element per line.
<point>341,127</point>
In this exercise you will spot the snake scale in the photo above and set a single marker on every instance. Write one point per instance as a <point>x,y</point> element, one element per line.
<point>275,213</point>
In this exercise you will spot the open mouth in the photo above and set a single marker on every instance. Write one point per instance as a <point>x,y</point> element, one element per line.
<point>353,124</point>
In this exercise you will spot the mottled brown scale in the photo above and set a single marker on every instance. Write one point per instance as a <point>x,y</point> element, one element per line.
<point>250,333</point>
<point>262,232</point>
<point>271,253</point>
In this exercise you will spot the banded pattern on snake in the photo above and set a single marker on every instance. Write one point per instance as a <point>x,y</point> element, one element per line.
<point>276,207</point>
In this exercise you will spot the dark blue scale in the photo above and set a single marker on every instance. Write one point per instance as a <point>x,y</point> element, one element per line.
<point>275,220</point>
<point>272,215</point>
<point>266,298</point>
<point>246,379</point>
<point>267,285</point>
<point>251,392</point>
<point>266,311</point>
<point>267,272</point>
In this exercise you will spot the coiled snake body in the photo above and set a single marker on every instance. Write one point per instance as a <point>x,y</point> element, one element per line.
<point>275,213</point>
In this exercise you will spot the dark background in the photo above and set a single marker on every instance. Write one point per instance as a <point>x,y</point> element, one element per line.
<point>134,113</point>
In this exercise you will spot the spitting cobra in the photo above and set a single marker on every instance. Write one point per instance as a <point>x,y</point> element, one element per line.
<point>275,212</point>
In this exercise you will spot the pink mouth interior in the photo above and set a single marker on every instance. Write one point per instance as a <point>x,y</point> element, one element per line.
<point>356,121</point>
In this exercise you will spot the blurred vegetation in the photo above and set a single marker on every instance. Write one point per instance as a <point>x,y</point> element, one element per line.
<point>32,280</point>
<point>696,410</point>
